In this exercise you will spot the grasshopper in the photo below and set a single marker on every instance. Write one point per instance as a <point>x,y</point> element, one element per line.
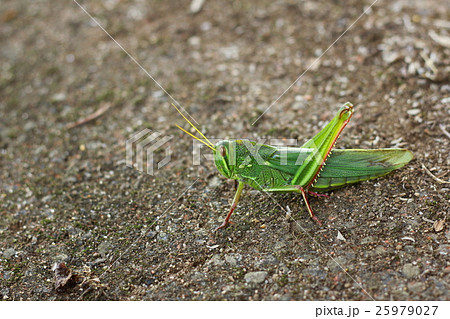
<point>307,169</point>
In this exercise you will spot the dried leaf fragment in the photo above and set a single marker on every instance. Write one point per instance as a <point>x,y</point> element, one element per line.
<point>63,275</point>
<point>196,6</point>
<point>340,236</point>
<point>438,225</point>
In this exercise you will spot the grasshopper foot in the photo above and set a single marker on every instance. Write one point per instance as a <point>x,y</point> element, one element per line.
<point>225,224</point>
<point>317,220</point>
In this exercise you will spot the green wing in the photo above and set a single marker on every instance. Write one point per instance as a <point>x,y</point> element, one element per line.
<point>350,166</point>
<point>288,159</point>
<point>342,167</point>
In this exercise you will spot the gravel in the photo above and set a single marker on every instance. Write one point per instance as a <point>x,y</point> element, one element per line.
<point>255,277</point>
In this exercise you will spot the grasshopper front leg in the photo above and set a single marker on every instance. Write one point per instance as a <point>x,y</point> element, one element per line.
<point>233,206</point>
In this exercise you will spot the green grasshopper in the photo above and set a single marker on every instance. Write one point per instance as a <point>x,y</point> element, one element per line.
<point>308,169</point>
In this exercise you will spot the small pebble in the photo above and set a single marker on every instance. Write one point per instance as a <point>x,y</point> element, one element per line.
<point>8,253</point>
<point>413,112</point>
<point>410,271</point>
<point>255,277</point>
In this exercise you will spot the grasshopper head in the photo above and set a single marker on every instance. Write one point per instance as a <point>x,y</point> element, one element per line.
<point>223,157</point>
<point>346,111</point>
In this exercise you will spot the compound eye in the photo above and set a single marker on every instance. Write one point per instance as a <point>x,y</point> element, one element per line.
<point>223,151</point>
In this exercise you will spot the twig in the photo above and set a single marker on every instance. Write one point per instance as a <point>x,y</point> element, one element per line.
<point>428,220</point>
<point>105,107</point>
<point>441,181</point>
<point>429,63</point>
<point>441,39</point>
<point>442,126</point>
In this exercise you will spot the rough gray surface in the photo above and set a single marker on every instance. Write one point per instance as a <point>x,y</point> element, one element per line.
<point>66,195</point>
<point>255,277</point>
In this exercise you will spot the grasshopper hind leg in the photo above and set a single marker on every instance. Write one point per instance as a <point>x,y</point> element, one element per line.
<point>297,189</point>
<point>318,194</point>
<point>305,198</point>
